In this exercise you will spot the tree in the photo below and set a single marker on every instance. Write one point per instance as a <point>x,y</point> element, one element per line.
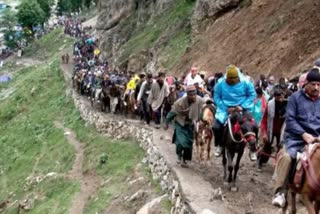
<point>87,3</point>
<point>64,6</point>
<point>30,14</point>
<point>46,7</point>
<point>76,5</point>
<point>8,20</point>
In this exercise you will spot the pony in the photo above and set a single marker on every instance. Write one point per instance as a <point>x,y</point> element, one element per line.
<point>105,99</point>
<point>241,131</point>
<point>77,81</point>
<point>63,59</point>
<point>204,133</point>
<point>306,180</point>
<point>129,103</point>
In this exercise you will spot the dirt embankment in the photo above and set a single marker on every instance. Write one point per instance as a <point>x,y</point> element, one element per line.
<point>260,36</point>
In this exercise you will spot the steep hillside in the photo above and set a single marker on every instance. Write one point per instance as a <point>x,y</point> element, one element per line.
<point>260,36</point>
<point>263,36</point>
<point>145,34</point>
<point>51,161</point>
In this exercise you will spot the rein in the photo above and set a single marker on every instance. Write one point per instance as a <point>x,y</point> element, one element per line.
<point>243,136</point>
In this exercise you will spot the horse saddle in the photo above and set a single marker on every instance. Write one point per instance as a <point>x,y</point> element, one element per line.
<point>302,167</point>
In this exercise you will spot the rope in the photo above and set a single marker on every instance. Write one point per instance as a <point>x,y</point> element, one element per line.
<point>231,133</point>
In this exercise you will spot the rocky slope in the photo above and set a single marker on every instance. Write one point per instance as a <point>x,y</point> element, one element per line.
<point>260,36</point>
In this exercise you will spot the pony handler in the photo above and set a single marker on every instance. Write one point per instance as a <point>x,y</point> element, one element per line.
<point>186,112</point>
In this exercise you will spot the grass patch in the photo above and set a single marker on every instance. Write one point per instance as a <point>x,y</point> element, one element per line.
<point>29,134</point>
<point>49,45</point>
<point>122,157</point>
<point>147,36</point>
<point>172,52</point>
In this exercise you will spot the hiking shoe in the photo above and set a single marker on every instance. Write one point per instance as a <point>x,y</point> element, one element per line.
<point>179,160</point>
<point>279,200</point>
<point>218,151</point>
<point>184,164</point>
<point>259,168</point>
<point>157,126</point>
<point>252,156</point>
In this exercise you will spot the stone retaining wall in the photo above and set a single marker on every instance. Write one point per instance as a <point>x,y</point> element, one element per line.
<point>118,127</point>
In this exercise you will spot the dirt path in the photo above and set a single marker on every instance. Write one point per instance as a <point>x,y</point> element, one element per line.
<point>89,182</point>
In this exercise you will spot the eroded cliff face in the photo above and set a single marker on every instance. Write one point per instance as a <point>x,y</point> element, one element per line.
<point>208,11</point>
<point>260,36</point>
<point>122,20</point>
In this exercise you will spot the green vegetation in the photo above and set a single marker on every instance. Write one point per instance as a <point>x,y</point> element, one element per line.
<point>49,45</point>
<point>31,145</point>
<point>172,52</point>
<point>68,6</point>
<point>30,14</point>
<point>28,133</point>
<point>46,5</point>
<point>7,22</point>
<point>170,26</point>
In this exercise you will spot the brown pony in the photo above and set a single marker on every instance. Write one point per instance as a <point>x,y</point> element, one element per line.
<point>309,188</point>
<point>130,105</point>
<point>67,58</point>
<point>204,134</point>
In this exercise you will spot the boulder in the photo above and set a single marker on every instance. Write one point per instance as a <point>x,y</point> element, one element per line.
<point>152,206</point>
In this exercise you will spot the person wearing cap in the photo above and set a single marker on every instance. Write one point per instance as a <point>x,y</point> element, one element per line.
<point>158,95</point>
<point>232,92</point>
<point>185,112</point>
<point>302,127</point>
<point>143,97</point>
<point>271,125</point>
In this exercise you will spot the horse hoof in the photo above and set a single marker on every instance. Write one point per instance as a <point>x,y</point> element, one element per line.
<point>234,189</point>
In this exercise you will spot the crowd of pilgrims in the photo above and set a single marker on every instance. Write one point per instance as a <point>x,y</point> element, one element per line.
<point>115,90</point>
<point>154,98</point>
<point>150,96</point>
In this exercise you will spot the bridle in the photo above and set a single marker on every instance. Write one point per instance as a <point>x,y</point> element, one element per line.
<point>245,138</point>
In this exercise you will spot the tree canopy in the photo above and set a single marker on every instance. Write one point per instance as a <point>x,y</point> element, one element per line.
<point>46,7</point>
<point>30,14</point>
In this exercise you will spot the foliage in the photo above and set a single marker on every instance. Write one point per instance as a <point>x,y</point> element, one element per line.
<point>8,21</point>
<point>87,3</point>
<point>68,6</point>
<point>30,14</point>
<point>63,6</point>
<point>46,7</point>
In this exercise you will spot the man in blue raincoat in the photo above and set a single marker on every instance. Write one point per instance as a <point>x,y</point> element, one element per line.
<point>233,91</point>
